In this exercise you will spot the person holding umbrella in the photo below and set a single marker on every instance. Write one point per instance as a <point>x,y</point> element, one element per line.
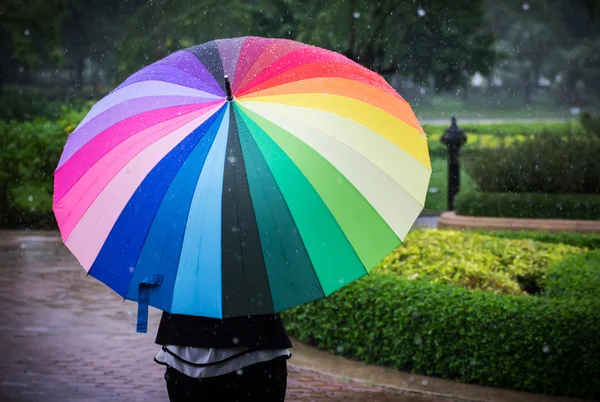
<point>231,181</point>
<point>236,359</point>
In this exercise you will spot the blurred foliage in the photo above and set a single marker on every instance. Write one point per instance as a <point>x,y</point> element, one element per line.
<point>178,24</point>
<point>536,344</point>
<point>553,40</point>
<point>90,31</point>
<point>590,241</point>
<point>491,135</point>
<point>541,50</point>
<point>551,162</point>
<point>591,123</point>
<point>28,34</point>
<point>388,37</point>
<point>25,104</point>
<point>574,278</point>
<point>482,262</point>
<point>480,137</point>
<point>529,205</point>
<point>28,157</point>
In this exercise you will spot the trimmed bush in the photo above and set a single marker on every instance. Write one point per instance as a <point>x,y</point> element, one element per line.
<point>526,343</point>
<point>481,262</point>
<point>490,135</point>
<point>589,241</point>
<point>590,123</point>
<point>28,157</point>
<point>576,277</point>
<point>529,205</point>
<point>544,163</point>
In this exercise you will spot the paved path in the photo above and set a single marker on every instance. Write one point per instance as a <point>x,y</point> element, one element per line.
<point>426,222</point>
<point>65,337</point>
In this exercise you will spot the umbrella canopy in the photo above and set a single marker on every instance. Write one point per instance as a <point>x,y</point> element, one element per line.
<point>177,193</point>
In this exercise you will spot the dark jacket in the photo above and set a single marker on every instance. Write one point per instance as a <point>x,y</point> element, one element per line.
<point>255,332</point>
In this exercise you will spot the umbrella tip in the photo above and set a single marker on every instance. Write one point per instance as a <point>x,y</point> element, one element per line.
<point>228,88</point>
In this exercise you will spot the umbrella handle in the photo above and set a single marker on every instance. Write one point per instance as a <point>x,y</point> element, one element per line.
<point>144,300</point>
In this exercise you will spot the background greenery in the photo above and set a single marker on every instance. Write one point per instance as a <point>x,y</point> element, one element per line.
<point>529,205</point>
<point>33,146</point>
<point>545,343</point>
<point>553,162</point>
<point>531,59</point>
<point>531,159</point>
<point>28,157</point>
<point>514,266</point>
<point>516,310</point>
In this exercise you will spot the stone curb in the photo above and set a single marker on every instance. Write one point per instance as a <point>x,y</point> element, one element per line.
<point>310,358</point>
<point>449,220</point>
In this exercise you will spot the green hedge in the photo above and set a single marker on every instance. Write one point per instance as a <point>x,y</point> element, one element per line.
<point>28,157</point>
<point>591,123</point>
<point>26,104</point>
<point>589,241</point>
<point>514,266</point>
<point>576,277</point>
<point>526,343</point>
<point>529,205</point>
<point>484,136</point>
<point>545,163</point>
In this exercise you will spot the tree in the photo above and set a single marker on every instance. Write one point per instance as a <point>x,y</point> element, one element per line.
<point>580,67</point>
<point>531,46</point>
<point>387,36</point>
<point>178,24</point>
<point>29,34</point>
<point>440,40</point>
<point>555,39</point>
<point>91,30</point>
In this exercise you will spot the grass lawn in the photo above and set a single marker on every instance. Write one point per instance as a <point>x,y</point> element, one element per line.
<point>445,106</point>
<point>437,194</point>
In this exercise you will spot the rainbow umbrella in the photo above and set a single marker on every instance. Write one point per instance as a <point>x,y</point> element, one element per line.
<point>241,177</point>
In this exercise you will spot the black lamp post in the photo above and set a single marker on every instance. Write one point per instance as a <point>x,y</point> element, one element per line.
<point>453,138</point>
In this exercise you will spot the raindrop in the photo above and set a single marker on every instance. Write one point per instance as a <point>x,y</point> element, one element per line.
<point>231,159</point>
<point>356,15</point>
<point>546,349</point>
<point>421,12</point>
<point>30,198</point>
<point>526,6</point>
<point>235,340</point>
<point>27,32</point>
<point>240,372</point>
<point>131,269</point>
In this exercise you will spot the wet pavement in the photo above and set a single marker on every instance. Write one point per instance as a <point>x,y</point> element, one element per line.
<point>66,337</point>
<point>426,222</point>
